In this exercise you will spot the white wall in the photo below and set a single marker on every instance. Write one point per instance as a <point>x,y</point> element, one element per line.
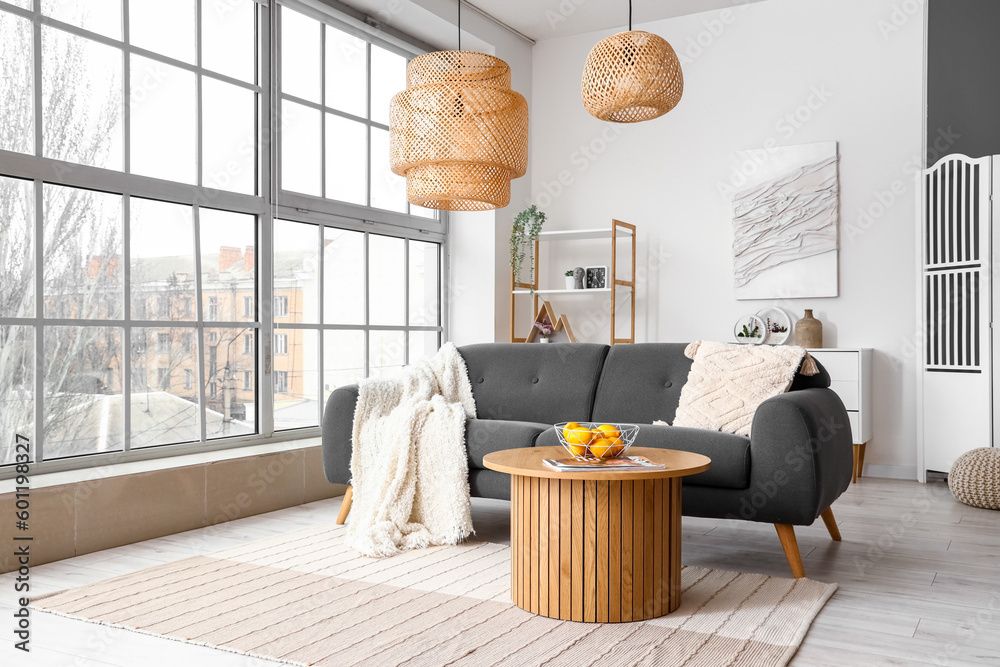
<point>851,71</point>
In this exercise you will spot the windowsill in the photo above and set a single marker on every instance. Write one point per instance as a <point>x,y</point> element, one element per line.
<point>134,467</point>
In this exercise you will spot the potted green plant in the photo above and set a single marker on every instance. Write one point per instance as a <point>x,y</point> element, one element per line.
<point>570,280</point>
<point>527,224</point>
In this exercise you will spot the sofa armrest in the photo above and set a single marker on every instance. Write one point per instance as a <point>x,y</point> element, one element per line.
<point>338,424</point>
<point>801,456</point>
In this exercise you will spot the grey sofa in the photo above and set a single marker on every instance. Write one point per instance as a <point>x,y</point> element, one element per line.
<point>788,473</point>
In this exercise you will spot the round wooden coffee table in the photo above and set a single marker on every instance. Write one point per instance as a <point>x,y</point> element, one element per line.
<point>595,546</point>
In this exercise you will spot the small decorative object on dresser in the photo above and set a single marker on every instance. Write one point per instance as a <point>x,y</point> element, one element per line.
<point>597,277</point>
<point>750,329</point>
<point>579,274</point>
<point>851,378</point>
<point>809,331</point>
<point>777,325</point>
<point>570,279</point>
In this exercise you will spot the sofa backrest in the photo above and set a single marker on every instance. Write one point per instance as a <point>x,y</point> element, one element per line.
<point>641,383</point>
<point>535,383</point>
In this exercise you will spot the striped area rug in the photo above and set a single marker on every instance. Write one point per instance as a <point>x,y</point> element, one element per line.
<point>306,599</point>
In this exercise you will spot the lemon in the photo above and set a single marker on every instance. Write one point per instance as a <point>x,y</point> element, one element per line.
<point>601,448</point>
<point>577,450</point>
<point>609,431</point>
<point>578,436</point>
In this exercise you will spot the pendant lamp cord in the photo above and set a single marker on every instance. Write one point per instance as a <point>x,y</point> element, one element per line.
<point>460,24</point>
<point>629,15</point>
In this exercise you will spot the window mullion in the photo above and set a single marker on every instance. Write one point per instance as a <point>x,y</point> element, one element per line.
<point>200,319</point>
<point>406,301</point>
<point>39,379</point>
<point>322,113</point>
<point>198,100</point>
<point>127,317</point>
<point>368,334</point>
<point>126,90</point>
<point>36,56</point>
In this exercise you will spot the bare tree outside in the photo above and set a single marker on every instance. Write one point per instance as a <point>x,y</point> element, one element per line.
<point>81,247</point>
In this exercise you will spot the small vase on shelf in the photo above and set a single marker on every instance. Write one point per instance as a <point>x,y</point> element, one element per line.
<point>809,331</point>
<point>543,339</point>
<point>570,281</point>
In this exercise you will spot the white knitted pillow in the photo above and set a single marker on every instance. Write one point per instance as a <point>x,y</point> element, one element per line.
<point>727,382</point>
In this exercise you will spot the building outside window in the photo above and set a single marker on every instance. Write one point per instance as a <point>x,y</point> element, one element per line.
<point>247,380</point>
<point>247,343</point>
<point>188,378</point>
<point>163,343</point>
<point>248,306</point>
<point>281,306</point>
<point>281,343</point>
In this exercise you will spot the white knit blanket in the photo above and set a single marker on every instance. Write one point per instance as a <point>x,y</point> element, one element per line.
<point>728,382</point>
<point>409,466</point>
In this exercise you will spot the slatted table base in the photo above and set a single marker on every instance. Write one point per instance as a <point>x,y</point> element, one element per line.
<point>596,551</point>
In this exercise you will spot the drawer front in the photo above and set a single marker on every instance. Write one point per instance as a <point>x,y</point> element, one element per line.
<point>842,366</point>
<point>848,392</point>
<point>855,419</point>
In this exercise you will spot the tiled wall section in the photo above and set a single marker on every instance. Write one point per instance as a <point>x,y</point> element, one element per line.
<point>75,519</point>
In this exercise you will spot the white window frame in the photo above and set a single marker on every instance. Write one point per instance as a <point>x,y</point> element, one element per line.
<point>265,206</point>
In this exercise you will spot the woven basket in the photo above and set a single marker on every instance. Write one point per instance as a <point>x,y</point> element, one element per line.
<point>458,133</point>
<point>631,77</point>
<point>975,478</point>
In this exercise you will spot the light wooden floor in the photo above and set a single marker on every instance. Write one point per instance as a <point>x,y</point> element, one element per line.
<point>919,577</point>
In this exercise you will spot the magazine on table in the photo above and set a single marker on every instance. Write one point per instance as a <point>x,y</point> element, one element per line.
<point>623,463</point>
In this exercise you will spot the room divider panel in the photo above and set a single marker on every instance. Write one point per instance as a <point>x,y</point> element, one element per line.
<point>955,376</point>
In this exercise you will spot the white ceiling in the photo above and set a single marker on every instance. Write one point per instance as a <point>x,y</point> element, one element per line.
<point>544,19</point>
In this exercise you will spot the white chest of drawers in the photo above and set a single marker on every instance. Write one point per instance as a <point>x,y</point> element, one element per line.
<point>851,377</point>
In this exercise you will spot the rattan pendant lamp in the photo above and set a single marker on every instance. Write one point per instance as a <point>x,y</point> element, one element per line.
<point>631,77</point>
<point>458,133</point>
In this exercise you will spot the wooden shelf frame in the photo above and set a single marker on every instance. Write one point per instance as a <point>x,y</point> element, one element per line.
<point>617,231</point>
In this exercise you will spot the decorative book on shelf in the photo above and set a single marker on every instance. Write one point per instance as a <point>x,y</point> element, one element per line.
<point>546,313</point>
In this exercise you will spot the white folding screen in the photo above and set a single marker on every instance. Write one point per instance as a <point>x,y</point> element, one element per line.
<point>955,374</point>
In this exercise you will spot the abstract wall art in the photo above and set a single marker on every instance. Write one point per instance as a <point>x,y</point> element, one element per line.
<point>785,222</point>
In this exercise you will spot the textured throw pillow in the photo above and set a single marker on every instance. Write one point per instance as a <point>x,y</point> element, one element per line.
<point>727,382</point>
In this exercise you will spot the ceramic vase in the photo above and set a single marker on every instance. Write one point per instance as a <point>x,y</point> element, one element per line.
<point>543,339</point>
<point>809,331</point>
<point>570,282</point>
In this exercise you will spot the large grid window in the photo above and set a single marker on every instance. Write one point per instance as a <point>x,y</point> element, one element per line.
<point>143,274</point>
<point>335,93</point>
<point>360,305</point>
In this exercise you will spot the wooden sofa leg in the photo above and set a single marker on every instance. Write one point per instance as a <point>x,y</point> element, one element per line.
<point>345,506</point>
<point>831,524</point>
<point>786,533</point>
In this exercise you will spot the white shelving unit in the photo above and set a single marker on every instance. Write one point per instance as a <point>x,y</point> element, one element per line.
<point>618,231</point>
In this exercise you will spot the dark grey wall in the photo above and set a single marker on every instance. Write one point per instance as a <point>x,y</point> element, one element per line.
<point>963,78</point>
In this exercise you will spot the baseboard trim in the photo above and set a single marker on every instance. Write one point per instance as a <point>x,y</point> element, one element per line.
<point>891,472</point>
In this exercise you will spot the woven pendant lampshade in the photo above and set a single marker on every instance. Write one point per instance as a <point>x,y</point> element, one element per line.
<point>631,77</point>
<point>458,133</point>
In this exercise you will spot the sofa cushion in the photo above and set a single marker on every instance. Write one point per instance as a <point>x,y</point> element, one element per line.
<point>534,383</point>
<point>641,383</point>
<point>483,436</point>
<point>730,453</point>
